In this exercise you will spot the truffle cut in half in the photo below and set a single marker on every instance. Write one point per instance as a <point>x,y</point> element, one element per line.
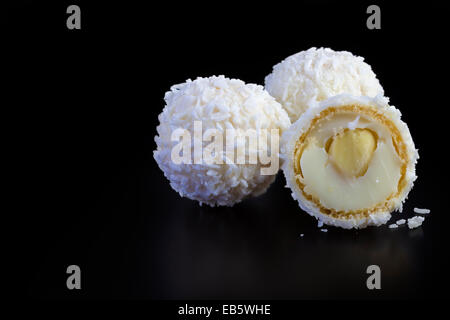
<point>350,161</point>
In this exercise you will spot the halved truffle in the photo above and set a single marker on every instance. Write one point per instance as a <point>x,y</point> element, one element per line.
<point>350,161</point>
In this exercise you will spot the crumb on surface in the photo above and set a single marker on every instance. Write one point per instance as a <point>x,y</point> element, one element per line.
<point>400,222</point>
<point>393,226</point>
<point>422,211</point>
<point>415,222</point>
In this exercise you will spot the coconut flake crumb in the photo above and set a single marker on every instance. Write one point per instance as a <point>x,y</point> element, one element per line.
<point>415,222</point>
<point>393,226</point>
<point>324,230</point>
<point>301,235</point>
<point>319,223</point>
<point>400,222</point>
<point>422,211</point>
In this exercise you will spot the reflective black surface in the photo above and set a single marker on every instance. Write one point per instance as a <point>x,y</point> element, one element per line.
<point>161,246</point>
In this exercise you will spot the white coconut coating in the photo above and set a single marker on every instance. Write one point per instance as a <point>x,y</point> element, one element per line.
<point>219,103</point>
<point>307,77</point>
<point>291,136</point>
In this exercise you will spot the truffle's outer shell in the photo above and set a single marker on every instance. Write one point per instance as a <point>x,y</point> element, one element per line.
<point>291,136</point>
<point>219,103</point>
<point>308,77</point>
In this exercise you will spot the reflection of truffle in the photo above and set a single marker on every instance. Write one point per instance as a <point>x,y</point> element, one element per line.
<point>305,78</point>
<point>220,104</point>
<point>350,161</point>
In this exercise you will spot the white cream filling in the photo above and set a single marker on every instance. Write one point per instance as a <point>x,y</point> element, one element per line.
<point>341,193</point>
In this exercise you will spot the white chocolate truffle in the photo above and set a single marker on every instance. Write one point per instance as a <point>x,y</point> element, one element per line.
<point>220,104</point>
<point>307,77</point>
<point>350,161</point>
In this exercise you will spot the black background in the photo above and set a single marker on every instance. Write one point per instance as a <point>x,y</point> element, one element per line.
<point>84,110</point>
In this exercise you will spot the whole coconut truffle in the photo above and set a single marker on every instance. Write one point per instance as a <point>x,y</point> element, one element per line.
<point>220,104</point>
<point>307,77</point>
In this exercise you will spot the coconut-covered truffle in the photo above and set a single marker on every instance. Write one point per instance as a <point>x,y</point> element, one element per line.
<point>219,105</point>
<point>303,79</point>
<point>350,161</point>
